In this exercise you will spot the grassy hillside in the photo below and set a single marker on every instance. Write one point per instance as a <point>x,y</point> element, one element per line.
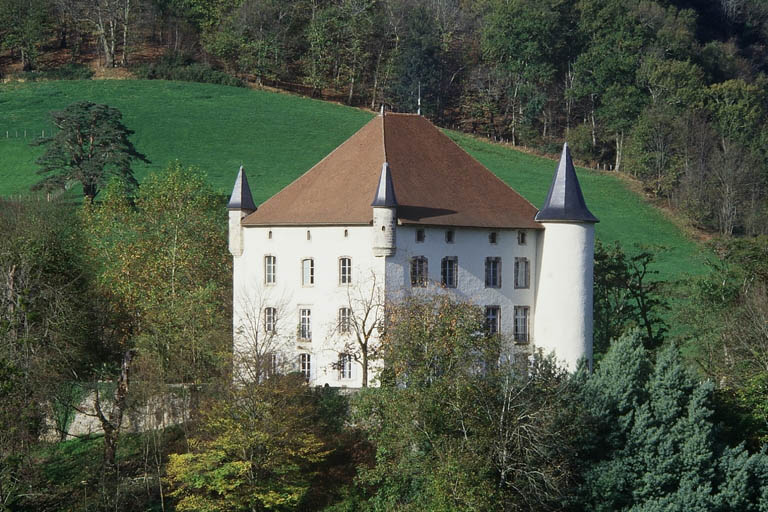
<point>279,136</point>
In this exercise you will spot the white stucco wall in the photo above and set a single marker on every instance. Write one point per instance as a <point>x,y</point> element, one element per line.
<point>559,294</point>
<point>290,246</point>
<point>471,247</point>
<point>563,321</point>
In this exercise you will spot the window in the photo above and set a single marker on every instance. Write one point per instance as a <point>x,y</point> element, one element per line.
<point>492,319</point>
<point>522,273</point>
<point>492,236</point>
<point>345,270</point>
<point>345,320</point>
<point>521,324</point>
<point>449,271</point>
<point>270,364</point>
<point>305,366</point>
<point>270,268</point>
<point>449,236</point>
<point>493,272</point>
<point>305,324</point>
<point>309,235</point>
<point>270,320</point>
<point>269,235</point>
<point>420,235</point>
<point>419,273</point>
<point>308,272</point>
<point>521,237</point>
<point>345,366</point>
<point>346,233</point>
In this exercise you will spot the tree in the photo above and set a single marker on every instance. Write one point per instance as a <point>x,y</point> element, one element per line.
<point>91,146</point>
<point>45,324</point>
<point>626,296</point>
<point>24,24</point>
<point>727,317</point>
<point>254,451</point>
<point>165,315</point>
<point>455,428</point>
<point>110,21</point>
<point>653,444</point>
<point>366,306</point>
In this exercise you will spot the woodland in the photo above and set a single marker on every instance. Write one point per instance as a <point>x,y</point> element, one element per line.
<point>671,92</point>
<point>124,294</point>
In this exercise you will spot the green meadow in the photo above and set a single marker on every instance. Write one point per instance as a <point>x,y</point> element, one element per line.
<point>278,137</point>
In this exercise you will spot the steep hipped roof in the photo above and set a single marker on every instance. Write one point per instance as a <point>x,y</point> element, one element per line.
<point>241,198</point>
<point>435,182</point>
<point>565,202</point>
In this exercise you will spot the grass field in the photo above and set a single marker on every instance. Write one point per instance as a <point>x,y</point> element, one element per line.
<point>278,137</point>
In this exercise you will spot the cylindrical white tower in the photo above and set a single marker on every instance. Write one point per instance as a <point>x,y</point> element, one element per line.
<point>563,313</point>
<point>384,215</point>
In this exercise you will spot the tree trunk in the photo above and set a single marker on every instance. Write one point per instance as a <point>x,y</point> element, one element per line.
<point>365,368</point>
<point>111,425</point>
<point>592,119</point>
<point>619,149</point>
<point>126,12</point>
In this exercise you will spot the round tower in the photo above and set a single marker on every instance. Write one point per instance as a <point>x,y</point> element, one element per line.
<point>563,314</point>
<point>384,215</point>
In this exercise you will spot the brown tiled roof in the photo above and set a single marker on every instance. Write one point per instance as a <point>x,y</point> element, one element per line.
<point>436,183</point>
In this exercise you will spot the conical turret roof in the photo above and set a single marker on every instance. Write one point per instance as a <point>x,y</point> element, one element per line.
<point>434,180</point>
<point>565,202</point>
<point>385,192</point>
<point>241,198</point>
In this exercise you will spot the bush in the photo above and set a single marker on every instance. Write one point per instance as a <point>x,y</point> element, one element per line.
<point>181,66</point>
<point>69,72</point>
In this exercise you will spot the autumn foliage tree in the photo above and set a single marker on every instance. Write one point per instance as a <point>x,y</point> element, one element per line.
<point>255,450</point>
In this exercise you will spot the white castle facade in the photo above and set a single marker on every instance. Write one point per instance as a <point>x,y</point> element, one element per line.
<point>399,209</point>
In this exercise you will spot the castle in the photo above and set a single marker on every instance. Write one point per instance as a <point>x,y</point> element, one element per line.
<point>400,209</point>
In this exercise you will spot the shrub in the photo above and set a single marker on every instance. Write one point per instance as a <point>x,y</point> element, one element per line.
<point>68,72</point>
<point>181,66</point>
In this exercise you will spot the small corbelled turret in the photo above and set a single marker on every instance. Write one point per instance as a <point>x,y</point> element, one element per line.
<point>384,214</point>
<point>240,205</point>
<point>563,320</point>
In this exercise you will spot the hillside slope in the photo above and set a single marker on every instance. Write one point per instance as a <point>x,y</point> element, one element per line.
<point>278,137</point>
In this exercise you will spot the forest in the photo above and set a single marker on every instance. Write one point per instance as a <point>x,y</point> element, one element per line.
<point>118,305</point>
<point>127,300</point>
<point>672,92</point>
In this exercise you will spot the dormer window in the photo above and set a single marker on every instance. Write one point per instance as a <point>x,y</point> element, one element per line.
<point>449,236</point>
<point>420,235</point>
<point>492,237</point>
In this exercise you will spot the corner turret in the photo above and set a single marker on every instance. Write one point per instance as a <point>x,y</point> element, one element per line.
<point>384,215</point>
<point>240,205</point>
<point>563,321</point>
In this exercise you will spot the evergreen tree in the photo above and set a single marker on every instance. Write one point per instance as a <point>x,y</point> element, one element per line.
<point>655,446</point>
